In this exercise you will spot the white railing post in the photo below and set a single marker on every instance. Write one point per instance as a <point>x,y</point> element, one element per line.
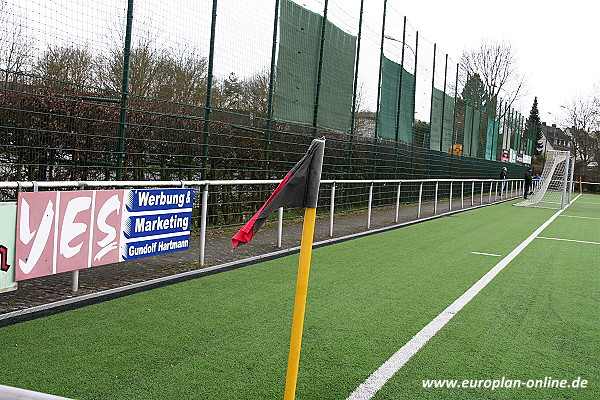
<point>203,217</point>
<point>331,209</point>
<point>420,196</point>
<point>280,227</point>
<point>75,273</point>
<point>473,193</point>
<point>462,194</point>
<point>450,200</point>
<point>481,195</point>
<point>435,200</point>
<point>370,206</point>
<point>398,202</point>
<point>75,281</point>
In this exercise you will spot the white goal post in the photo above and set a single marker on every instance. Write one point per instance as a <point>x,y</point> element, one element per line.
<point>550,191</point>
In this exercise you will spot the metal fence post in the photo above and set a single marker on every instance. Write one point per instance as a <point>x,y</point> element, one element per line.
<point>209,87</point>
<point>462,194</point>
<point>435,200</point>
<point>380,76</point>
<point>320,70</point>
<point>398,202</point>
<point>279,226</point>
<point>481,196</point>
<point>420,196</point>
<point>124,92</point>
<point>355,88</point>
<point>75,273</point>
<point>370,206</point>
<point>270,90</point>
<point>450,200</point>
<point>473,193</point>
<point>331,209</point>
<point>203,218</point>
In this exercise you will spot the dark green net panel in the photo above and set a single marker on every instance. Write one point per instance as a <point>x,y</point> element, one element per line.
<point>396,117</point>
<point>297,70</point>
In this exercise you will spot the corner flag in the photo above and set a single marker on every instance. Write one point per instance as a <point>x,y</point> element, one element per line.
<point>299,188</point>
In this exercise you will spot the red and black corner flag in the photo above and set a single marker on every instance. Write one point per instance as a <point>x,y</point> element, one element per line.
<point>299,188</point>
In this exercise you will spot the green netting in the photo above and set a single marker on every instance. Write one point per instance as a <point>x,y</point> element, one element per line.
<point>388,111</point>
<point>442,108</point>
<point>437,111</point>
<point>471,132</point>
<point>297,70</point>
<point>448,131</point>
<point>339,55</point>
<point>491,139</point>
<point>389,118</point>
<point>468,129</point>
<point>475,138</point>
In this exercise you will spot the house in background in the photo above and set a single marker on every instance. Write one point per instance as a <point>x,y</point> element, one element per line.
<point>554,138</point>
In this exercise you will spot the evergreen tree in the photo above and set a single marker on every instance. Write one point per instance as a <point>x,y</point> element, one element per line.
<point>534,128</point>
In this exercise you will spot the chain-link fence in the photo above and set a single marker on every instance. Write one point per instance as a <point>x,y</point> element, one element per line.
<point>223,89</point>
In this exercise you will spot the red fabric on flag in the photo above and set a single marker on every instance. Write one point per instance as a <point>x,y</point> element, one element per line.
<point>245,234</point>
<point>299,188</point>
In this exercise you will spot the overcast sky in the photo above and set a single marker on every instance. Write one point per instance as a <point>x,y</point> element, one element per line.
<point>554,41</point>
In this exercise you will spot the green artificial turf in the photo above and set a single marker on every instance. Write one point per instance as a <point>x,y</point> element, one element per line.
<point>538,318</point>
<point>226,336</point>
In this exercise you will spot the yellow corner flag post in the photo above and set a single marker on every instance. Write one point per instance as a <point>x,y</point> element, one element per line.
<point>308,231</point>
<point>299,188</point>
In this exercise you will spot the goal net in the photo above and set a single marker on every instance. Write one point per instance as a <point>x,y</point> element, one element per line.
<point>550,191</point>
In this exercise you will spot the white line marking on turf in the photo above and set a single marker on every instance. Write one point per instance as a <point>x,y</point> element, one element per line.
<point>576,216</point>
<point>375,382</point>
<point>567,240</point>
<point>486,254</point>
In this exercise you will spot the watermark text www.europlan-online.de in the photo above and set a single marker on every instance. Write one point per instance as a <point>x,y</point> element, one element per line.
<point>547,382</point>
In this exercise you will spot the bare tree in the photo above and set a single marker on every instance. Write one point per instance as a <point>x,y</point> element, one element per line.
<point>496,65</point>
<point>582,119</point>
<point>144,68</point>
<point>183,77</point>
<point>66,64</point>
<point>15,46</point>
<point>255,91</point>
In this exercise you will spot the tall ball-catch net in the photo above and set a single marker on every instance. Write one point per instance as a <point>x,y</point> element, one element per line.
<point>550,191</point>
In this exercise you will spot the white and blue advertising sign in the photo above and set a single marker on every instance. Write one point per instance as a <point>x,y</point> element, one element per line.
<point>157,221</point>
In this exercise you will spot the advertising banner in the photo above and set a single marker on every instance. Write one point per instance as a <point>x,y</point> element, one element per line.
<point>8,216</point>
<point>65,231</point>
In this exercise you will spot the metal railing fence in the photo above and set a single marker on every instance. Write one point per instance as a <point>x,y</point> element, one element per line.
<point>223,203</point>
